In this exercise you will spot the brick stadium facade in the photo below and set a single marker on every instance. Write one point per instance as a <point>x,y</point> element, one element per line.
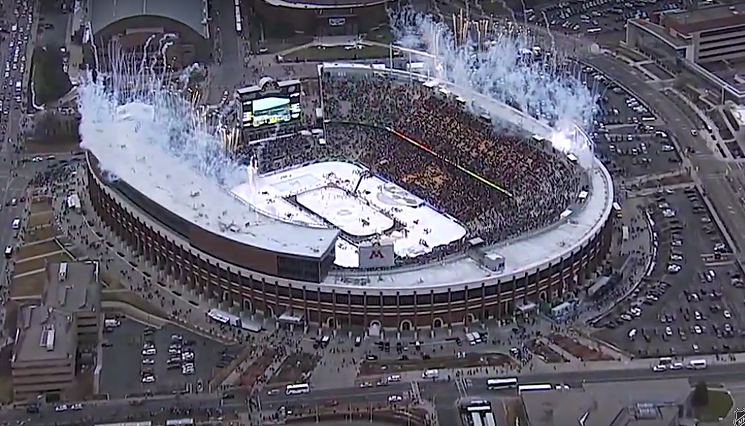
<point>246,278</point>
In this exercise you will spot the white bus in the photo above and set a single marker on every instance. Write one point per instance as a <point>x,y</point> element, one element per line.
<point>478,408</point>
<point>539,387</point>
<point>179,422</point>
<point>697,364</point>
<point>625,233</point>
<point>297,389</point>
<point>489,417</point>
<point>504,383</point>
<point>476,419</point>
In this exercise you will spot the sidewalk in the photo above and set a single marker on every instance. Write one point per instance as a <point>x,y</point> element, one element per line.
<point>189,313</point>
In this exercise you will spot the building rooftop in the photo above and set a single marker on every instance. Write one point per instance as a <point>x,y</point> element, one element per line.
<point>324,4</point>
<point>77,289</point>
<point>638,403</point>
<point>660,32</point>
<point>44,334</point>
<point>705,18</point>
<point>731,72</point>
<point>191,13</point>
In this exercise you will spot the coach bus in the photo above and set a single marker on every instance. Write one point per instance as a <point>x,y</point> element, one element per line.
<point>540,387</point>
<point>126,424</point>
<point>504,383</point>
<point>478,406</point>
<point>297,389</point>
<point>476,419</point>
<point>489,419</point>
<point>179,422</point>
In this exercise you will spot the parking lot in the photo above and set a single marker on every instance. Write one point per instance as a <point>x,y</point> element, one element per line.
<point>629,139</point>
<point>694,302</point>
<point>594,18</point>
<point>173,358</point>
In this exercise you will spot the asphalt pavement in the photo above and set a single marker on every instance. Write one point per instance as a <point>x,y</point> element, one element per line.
<point>124,365</point>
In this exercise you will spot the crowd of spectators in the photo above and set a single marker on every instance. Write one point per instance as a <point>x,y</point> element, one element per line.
<point>538,184</point>
<point>373,120</point>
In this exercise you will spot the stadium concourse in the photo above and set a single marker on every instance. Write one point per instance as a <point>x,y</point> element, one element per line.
<point>420,139</point>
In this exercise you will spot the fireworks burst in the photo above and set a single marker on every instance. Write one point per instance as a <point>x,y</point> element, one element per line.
<point>504,61</point>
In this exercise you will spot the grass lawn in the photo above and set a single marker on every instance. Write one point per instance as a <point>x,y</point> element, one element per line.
<point>719,406</point>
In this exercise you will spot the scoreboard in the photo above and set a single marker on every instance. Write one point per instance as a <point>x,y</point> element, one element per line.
<point>270,103</point>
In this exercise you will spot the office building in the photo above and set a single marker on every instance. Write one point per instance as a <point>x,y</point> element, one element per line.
<point>47,337</point>
<point>73,287</point>
<point>43,360</point>
<point>707,43</point>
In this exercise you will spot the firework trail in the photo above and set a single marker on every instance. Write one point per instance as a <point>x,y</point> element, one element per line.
<point>131,108</point>
<point>509,69</point>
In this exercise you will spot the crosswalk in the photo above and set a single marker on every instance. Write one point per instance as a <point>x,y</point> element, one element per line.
<point>416,393</point>
<point>462,384</point>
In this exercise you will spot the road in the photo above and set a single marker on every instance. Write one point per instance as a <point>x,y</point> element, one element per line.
<point>712,173</point>
<point>444,393</point>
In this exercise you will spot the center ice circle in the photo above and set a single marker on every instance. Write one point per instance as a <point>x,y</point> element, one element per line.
<point>344,212</point>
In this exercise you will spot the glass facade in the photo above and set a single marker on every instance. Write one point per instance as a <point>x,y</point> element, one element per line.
<point>666,55</point>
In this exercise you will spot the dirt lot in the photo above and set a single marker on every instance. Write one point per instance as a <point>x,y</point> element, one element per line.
<point>255,370</point>
<point>30,285</point>
<point>545,352</point>
<point>374,368</point>
<point>578,350</point>
<point>36,264</point>
<point>32,250</point>
<point>41,234</point>
<point>40,207</point>
<point>295,368</point>
<point>40,219</point>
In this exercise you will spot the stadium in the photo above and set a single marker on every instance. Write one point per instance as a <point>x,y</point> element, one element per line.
<point>410,212</point>
<point>320,17</point>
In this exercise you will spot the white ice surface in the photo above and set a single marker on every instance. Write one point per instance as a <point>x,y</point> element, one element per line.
<point>347,213</point>
<point>422,221</point>
<point>117,142</point>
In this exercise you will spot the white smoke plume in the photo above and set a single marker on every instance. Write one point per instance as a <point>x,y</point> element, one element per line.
<point>141,113</point>
<point>505,65</point>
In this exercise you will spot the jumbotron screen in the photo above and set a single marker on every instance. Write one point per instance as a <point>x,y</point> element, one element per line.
<point>279,107</point>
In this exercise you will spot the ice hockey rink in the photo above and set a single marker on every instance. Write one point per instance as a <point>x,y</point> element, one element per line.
<point>371,213</point>
<point>348,213</point>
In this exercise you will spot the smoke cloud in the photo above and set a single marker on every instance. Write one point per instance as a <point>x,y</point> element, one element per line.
<point>132,110</point>
<point>500,60</point>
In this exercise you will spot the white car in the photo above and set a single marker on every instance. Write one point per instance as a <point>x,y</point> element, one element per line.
<point>395,398</point>
<point>659,368</point>
<point>187,369</point>
<point>60,408</point>
<point>674,268</point>
<point>148,361</point>
<point>76,407</point>
<point>149,352</point>
<point>727,314</point>
<point>187,356</point>
<point>148,379</point>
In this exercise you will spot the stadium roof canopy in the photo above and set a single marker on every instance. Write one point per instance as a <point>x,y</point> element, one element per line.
<point>106,12</point>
